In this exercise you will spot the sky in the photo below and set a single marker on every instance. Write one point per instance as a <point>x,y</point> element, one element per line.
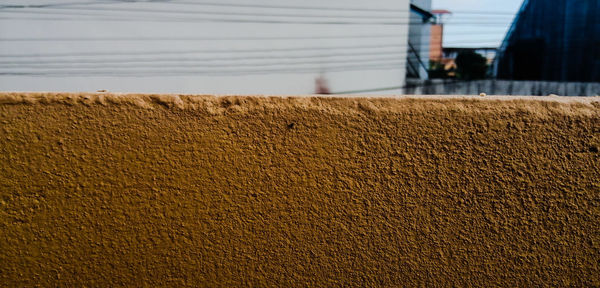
<point>477,22</point>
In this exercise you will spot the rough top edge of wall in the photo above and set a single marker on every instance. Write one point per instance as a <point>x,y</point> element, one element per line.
<point>338,104</point>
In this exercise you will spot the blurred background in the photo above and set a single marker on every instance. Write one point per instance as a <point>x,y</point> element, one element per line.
<point>510,47</point>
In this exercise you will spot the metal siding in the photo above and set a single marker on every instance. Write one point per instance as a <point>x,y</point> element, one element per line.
<point>558,37</point>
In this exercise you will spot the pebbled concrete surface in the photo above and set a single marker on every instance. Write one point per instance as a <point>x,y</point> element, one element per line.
<point>109,190</point>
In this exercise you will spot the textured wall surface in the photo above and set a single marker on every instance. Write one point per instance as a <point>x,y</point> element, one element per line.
<point>142,190</point>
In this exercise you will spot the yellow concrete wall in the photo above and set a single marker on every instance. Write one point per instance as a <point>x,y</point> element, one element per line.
<point>141,190</point>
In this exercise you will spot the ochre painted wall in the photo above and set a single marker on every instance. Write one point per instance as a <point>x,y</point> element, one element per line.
<point>141,190</point>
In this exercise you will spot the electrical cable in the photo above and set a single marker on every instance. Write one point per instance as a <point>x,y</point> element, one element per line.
<point>387,65</point>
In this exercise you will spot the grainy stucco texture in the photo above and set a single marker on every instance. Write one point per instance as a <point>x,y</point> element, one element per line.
<point>149,190</point>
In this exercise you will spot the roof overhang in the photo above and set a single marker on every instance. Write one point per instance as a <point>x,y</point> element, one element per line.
<point>424,13</point>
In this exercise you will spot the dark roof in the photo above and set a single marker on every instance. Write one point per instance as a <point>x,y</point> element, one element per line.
<point>424,13</point>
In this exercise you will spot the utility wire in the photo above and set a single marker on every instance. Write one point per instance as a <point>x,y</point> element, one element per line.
<point>128,17</point>
<point>209,38</point>
<point>164,56</point>
<point>387,65</point>
<point>467,19</point>
<point>45,5</point>
<point>196,62</point>
<point>294,7</point>
<point>130,71</point>
<point>216,20</point>
<point>148,68</point>
<point>73,11</point>
<point>204,51</point>
<point>216,55</point>
<point>215,4</point>
<point>217,51</point>
<point>205,59</point>
<point>221,65</point>
<point>256,6</point>
<point>167,38</point>
<point>215,39</point>
<point>60,9</point>
<point>210,13</point>
<point>196,3</point>
<point>260,21</point>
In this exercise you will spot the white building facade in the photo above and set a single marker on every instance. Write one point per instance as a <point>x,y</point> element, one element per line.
<point>233,47</point>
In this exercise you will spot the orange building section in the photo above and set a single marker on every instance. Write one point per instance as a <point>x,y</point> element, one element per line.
<point>165,190</point>
<point>436,51</point>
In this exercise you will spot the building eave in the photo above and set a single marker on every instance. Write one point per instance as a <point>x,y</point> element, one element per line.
<point>424,13</point>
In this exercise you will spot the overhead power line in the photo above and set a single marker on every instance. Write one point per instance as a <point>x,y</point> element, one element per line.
<point>167,38</point>
<point>206,3</point>
<point>216,39</point>
<point>216,20</point>
<point>385,65</point>
<point>202,59</point>
<point>150,65</point>
<point>74,11</point>
<point>94,63</point>
<point>245,5</point>
<point>368,9</point>
<point>153,64</point>
<point>205,51</point>
<point>157,69</point>
<point>338,49</point>
<point>45,5</point>
<point>74,17</point>
<point>170,12</point>
<point>293,7</point>
<point>373,48</point>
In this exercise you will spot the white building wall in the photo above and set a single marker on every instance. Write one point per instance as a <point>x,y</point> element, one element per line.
<point>271,65</point>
